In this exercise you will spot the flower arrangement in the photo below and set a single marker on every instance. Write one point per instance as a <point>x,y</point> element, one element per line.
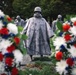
<point>64,43</point>
<point>11,46</point>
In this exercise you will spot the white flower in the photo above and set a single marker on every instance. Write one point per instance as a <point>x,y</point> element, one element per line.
<point>5,43</point>
<point>72,50</point>
<point>2,69</point>
<point>73,19</point>
<point>73,30</point>
<point>1,14</point>
<point>12,28</point>
<point>18,56</point>
<point>58,42</point>
<point>60,66</point>
<point>4,51</point>
<point>1,25</point>
<point>74,71</point>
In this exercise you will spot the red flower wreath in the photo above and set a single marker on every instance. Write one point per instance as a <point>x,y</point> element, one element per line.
<point>17,40</point>
<point>9,61</point>
<point>14,71</point>
<point>70,62</point>
<point>74,23</point>
<point>59,55</point>
<point>11,48</point>
<point>1,56</point>
<point>66,27</point>
<point>4,31</point>
<point>67,37</point>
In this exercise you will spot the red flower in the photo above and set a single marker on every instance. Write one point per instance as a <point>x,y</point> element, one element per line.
<point>14,71</point>
<point>70,62</point>
<point>66,27</point>
<point>9,19</point>
<point>3,74</point>
<point>4,31</point>
<point>59,55</point>
<point>17,40</point>
<point>11,48</point>
<point>74,45</point>
<point>67,37</point>
<point>1,56</point>
<point>9,61</point>
<point>74,23</point>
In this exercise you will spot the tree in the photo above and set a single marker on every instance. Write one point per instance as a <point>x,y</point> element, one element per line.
<point>25,7</point>
<point>62,7</point>
<point>6,6</point>
<point>50,8</point>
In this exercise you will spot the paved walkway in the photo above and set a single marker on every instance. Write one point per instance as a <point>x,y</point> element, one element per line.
<point>27,59</point>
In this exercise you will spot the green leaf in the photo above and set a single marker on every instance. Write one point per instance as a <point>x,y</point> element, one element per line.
<point>21,47</point>
<point>59,26</point>
<point>19,35</point>
<point>24,37</point>
<point>20,28</point>
<point>23,50</point>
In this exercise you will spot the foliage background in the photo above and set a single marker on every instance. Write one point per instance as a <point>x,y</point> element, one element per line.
<point>50,8</point>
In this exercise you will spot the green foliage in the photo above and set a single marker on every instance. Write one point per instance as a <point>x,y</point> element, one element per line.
<point>53,60</point>
<point>56,7</point>
<point>22,37</point>
<point>51,45</point>
<point>50,8</point>
<point>29,72</point>
<point>47,69</point>
<point>6,7</point>
<point>22,47</point>
<point>22,72</point>
<point>25,7</point>
<point>59,26</point>
<point>21,44</point>
<point>20,29</point>
<point>42,64</point>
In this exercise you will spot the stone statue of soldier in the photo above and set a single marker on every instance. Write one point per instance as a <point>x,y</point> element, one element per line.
<point>54,25</point>
<point>19,21</point>
<point>39,33</point>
